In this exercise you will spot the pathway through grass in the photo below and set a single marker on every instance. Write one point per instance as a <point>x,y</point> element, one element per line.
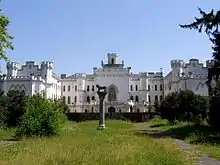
<point>81,143</point>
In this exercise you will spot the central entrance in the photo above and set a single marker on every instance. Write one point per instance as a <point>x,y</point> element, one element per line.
<point>111,111</point>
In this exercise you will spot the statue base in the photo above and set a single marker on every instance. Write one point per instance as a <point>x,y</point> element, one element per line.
<point>101,127</point>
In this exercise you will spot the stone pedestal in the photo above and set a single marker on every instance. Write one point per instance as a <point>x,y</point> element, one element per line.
<point>101,93</point>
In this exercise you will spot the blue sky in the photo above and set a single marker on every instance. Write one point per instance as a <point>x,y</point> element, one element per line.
<point>77,34</point>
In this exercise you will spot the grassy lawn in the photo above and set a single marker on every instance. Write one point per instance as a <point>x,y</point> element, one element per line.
<point>82,144</point>
<point>202,136</point>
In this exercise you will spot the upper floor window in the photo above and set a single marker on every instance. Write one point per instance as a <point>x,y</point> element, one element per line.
<point>88,99</point>
<point>69,88</point>
<point>112,94</point>
<point>161,97</point>
<point>76,88</point>
<point>131,87</point>
<point>69,100</point>
<point>136,99</point>
<point>88,88</point>
<point>156,98</point>
<point>161,87</point>
<point>93,88</point>
<point>149,99</point>
<point>155,87</point>
<point>136,87</point>
<point>29,66</point>
<point>64,88</point>
<point>75,99</point>
<point>131,98</point>
<point>64,99</point>
<point>149,87</point>
<point>93,98</point>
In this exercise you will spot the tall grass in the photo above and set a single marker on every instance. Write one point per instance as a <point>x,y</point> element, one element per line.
<point>82,144</point>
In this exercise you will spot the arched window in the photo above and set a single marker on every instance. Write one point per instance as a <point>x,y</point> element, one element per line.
<point>113,61</point>
<point>136,87</point>
<point>88,99</point>
<point>112,94</point>
<point>75,88</point>
<point>64,99</point>
<point>156,98</point>
<point>93,98</point>
<point>88,88</point>
<point>68,101</point>
<point>131,88</point>
<point>86,110</point>
<point>75,99</point>
<point>136,99</point>
<point>155,87</point>
<point>131,98</point>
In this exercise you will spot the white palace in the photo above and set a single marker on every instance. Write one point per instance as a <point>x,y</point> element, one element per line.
<point>127,91</point>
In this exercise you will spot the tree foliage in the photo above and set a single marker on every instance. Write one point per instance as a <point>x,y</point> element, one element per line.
<point>184,106</point>
<point>209,23</point>
<point>5,38</point>
<point>42,117</point>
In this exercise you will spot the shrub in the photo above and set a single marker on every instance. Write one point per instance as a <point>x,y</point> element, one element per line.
<point>169,107</point>
<point>13,107</point>
<point>184,106</point>
<point>214,113</point>
<point>42,118</point>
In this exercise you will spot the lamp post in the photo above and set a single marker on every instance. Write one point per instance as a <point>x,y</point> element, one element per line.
<point>101,93</point>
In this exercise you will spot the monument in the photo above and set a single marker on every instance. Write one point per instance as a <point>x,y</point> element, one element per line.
<point>101,93</point>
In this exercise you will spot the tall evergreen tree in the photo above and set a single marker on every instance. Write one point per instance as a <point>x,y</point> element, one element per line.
<point>209,23</point>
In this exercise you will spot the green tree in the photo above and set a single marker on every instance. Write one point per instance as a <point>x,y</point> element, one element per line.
<point>5,38</point>
<point>209,23</point>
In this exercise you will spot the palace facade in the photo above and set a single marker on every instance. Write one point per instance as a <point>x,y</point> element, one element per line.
<point>127,91</point>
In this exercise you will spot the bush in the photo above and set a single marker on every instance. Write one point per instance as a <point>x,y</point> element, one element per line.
<point>214,113</point>
<point>14,106</point>
<point>184,106</point>
<point>42,118</point>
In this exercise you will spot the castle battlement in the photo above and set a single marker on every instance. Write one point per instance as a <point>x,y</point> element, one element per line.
<point>21,78</point>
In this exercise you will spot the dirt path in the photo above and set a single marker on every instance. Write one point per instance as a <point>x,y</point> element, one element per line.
<point>203,160</point>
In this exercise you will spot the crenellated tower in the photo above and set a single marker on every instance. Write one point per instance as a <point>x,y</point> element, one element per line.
<point>12,69</point>
<point>46,71</point>
<point>177,69</point>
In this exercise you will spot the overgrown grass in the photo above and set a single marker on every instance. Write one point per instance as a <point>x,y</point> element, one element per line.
<point>204,137</point>
<point>81,143</point>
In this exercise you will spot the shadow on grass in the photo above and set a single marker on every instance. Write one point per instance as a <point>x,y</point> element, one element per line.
<point>197,134</point>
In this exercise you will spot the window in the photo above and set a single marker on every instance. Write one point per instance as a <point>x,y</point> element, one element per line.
<point>149,87</point>
<point>119,110</point>
<point>86,110</point>
<point>136,88</point>
<point>64,99</point>
<point>69,88</point>
<point>88,88</point>
<point>156,98</point>
<point>88,99</point>
<point>161,87</point>
<point>138,110</point>
<point>93,88</point>
<point>161,97</point>
<point>149,99</point>
<point>64,88</point>
<point>93,98</point>
<point>29,66</point>
<point>155,87</point>
<point>75,99</point>
<point>69,101</point>
<point>131,98</point>
<point>75,88</point>
<point>112,94</point>
<point>131,88</point>
<point>92,109</point>
<point>136,99</point>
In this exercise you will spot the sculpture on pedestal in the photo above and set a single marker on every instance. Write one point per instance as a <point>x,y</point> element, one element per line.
<point>101,93</point>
